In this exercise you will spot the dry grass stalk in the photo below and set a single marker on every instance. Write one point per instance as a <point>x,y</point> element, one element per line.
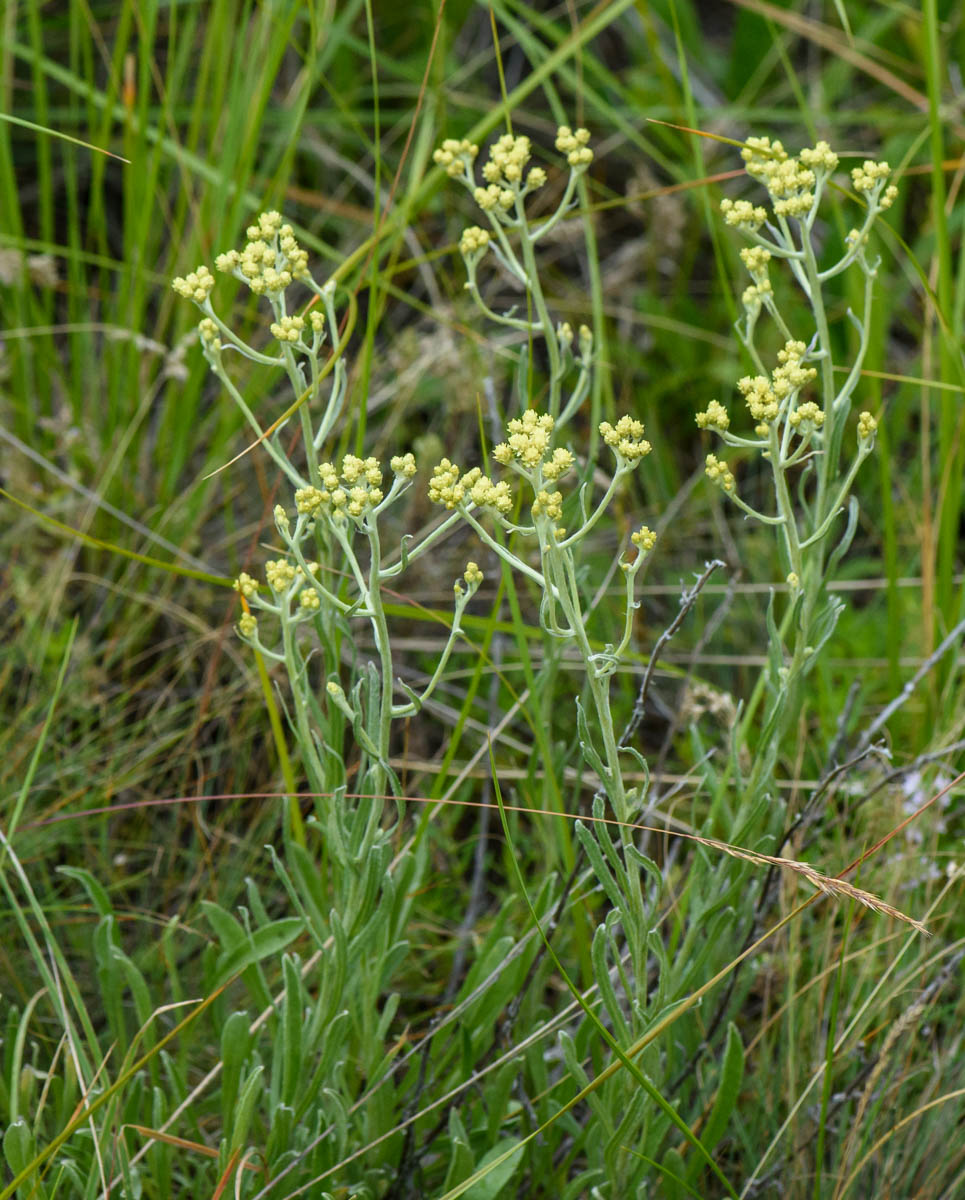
<point>830,886</point>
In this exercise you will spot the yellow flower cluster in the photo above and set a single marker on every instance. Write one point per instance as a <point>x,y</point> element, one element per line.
<point>308,500</point>
<point>208,331</point>
<point>354,469</point>
<point>484,492</point>
<point>806,414</point>
<point>353,494</point>
<point>450,487</point>
<point>644,538</point>
<point>529,439</point>
<point>764,396</point>
<point>195,286</point>
<point>719,472</point>
<point>548,504</point>
<point>558,463</point>
<point>503,174</point>
<point>279,573</point>
<point>759,151</point>
<point>752,296</point>
<point>715,417</point>
<point>870,176</point>
<point>271,258</point>
<point>743,214</point>
<point>455,156</point>
<point>626,438</point>
<point>245,586</point>
<point>790,181</point>
<point>760,397</point>
<point>288,329</point>
<point>755,259</point>
<point>573,143</point>
<point>790,376</point>
<point>403,465</point>
<point>473,240</point>
<point>507,158</point>
<point>473,577</point>
<point>820,157</point>
<point>494,196</point>
<point>444,486</point>
<point>867,424</point>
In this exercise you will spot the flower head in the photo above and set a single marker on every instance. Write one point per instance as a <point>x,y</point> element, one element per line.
<point>714,417</point>
<point>474,241</point>
<point>626,438</point>
<point>245,586</point>
<point>456,157</point>
<point>195,286</point>
<point>208,332</point>
<point>528,441</point>
<point>743,214</point>
<point>444,486</point>
<point>644,538</point>
<point>573,143</point>
<point>403,465</point>
<point>719,472</point>
<point>867,424</point>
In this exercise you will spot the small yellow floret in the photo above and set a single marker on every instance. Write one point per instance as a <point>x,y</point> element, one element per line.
<point>473,241</point>
<point>626,438</point>
<point>455,157</point>
<point>718,472</point>
<point>444,486</point>
<point>195,286</point>
<point>867,424</point>
<point>644,538</point>
<point>246,586</point>
<point>743,214</point>
<point>403,465</point>
<point>715,417</point>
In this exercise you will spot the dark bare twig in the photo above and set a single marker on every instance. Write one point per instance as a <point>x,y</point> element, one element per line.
<point>687,601</point>
<point>706,635</point>
<point>841,729</point>
<point>890,709</point>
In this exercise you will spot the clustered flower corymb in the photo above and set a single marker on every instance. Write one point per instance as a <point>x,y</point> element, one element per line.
<point>770,400</point>
<point>507,177</point>
<point>349,498</point>
<point>271,258</point>
<point>528,451</point>
<point>286,581</point>
<point>795,183</point>
<point>270,262</point>
<point>790,429</point>
<point>196,285</point>
<point>626,439</point>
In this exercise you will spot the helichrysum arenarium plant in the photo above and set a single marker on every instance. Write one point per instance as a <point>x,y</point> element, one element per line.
<point>800,407</point>
<point>345,1084</point>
